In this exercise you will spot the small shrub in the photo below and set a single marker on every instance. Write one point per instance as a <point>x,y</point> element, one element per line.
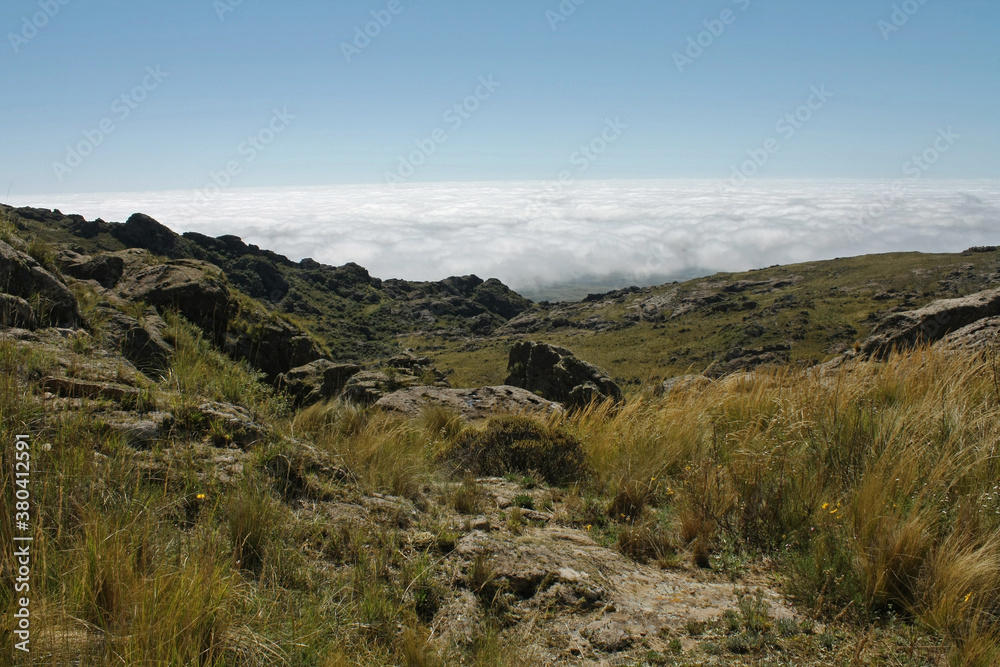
<point>695,628</point>
<point>482,579</point>
<point>519,445</point>
<point>442,422</point>
<point>631,500</point>
<point>253,524</point>
<point>467,498</point>
<point>755,612</point>
<point>645,541</point>
<point>524,501</point>
<point>515,520</point>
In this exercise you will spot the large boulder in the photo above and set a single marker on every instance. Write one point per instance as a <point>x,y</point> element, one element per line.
<point>478,403</point>
<point>140,340</point>
<point>367,387</point>
<point>22,276</point>
<point>272,346</point>
<point>316,381</point>
<point>16,312</point>
<point>556,374</point>
<point>105,269</point>
<point>930,323</point>
<point>196,289</point>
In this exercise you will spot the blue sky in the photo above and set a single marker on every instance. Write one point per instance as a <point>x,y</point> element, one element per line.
<point>558,84</point>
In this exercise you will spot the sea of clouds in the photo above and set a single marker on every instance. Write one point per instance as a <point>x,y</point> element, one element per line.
<point>537,234</point>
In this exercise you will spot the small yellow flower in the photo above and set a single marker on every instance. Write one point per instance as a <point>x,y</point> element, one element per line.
<point>834,511</point>
<point>589,526</point>
<point>967,596</point>
<point>825,505</point>
<point>652,479</point>
<point>200,496</point>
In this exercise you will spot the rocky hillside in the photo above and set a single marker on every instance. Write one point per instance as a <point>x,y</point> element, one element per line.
<point>349,314</point>
<point>227,474</point>
<point>803,313</point>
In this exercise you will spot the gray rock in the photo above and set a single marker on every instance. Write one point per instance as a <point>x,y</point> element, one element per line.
<point>140,431</point>
<point>401,372</point>
<point>556,374</point>
<point>478,403</point>
<point>16,312</point>
<point>105,269</point>
<point>196,289</point>
<point>22,276</point>
<point>683,383</point>
<point>139,341</point>
<point>367,387</point>
<point>930,323</point>
<point>981,335</point>
<point>316,381</point>
<point>608,635</point>
<point>234,424</point>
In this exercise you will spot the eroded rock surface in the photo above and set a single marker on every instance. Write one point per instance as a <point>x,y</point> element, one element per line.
<point>477,403</point>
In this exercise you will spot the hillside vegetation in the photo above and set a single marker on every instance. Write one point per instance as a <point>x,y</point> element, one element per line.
<point>185,513</point>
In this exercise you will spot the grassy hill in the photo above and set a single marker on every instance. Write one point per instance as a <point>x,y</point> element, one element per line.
<point>802,313</point>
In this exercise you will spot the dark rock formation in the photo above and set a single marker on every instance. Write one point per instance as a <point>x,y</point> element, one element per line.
<point>16,312</point>
<point>196,289</point>
<point>22,276</point>
<point>554,373</point>
<point>316,381</point>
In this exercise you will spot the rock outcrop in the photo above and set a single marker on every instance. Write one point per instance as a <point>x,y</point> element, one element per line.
<point>22,276</point>
<point>16,312</point>
<point>981,335</point>
<point>930,323</point>
<point>196,289</point>
<point>472,404</point>
<point>139,340</point>
<point>556,374</point>
<point>316,381</point>
<point>270,344</point>
<point>401,372</point>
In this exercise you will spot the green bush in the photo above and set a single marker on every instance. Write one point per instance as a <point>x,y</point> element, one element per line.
<point>519,445</point>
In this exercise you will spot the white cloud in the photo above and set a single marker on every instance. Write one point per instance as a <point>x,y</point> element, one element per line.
<point>534,233</point>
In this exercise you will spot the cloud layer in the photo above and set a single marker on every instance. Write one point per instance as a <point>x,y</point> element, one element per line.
<point>533,234</point>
